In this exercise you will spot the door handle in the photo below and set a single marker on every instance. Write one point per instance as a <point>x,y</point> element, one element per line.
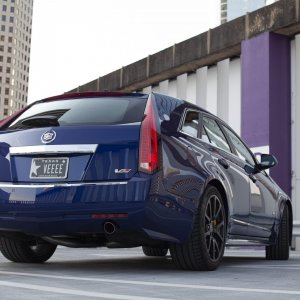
<point>223,163</point>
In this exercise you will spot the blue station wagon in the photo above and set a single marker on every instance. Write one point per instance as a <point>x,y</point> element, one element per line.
<point>129,170</point>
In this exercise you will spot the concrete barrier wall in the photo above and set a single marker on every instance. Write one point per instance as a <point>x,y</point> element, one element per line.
<point>216,88</point>
<point>205,49</point>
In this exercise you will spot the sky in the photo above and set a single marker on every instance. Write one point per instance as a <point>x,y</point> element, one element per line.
<point>76,41</point>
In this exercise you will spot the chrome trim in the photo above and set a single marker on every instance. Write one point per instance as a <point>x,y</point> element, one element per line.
<point>55,185</point>
<point>240,222</point>
<point>53,149</point>
<point>249,225</point>
<point>181,122</point>
<point>239,242</point>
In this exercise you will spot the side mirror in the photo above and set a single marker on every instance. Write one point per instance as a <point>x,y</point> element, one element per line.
<point>266,161</point>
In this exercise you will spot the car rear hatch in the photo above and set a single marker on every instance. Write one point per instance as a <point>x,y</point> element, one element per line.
<point>73,140</point>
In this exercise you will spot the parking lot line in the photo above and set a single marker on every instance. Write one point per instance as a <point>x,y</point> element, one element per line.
<point>55,290</point>
<point>157,284</point>
<point>287,267</point>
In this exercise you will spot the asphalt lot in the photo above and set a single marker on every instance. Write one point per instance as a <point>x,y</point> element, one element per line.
<point>127,274</point>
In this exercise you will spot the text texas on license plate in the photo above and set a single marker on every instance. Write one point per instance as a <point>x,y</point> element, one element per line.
<point>49,168</point>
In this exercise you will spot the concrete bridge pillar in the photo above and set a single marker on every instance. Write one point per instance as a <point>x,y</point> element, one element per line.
<point>201,87</point>
<point>223,90</point>
<point>295,87</point>
<point>181,86</point>
<point>147,90</point>
<point>164,87</point>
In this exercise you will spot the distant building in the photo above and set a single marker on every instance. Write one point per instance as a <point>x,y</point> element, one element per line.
<point>232,9</point>
<point>15,40</point>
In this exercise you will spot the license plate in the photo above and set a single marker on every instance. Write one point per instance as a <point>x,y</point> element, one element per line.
<point>49,168</point>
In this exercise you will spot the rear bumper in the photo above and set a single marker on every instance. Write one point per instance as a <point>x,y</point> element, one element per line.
<point>51,209</point>
<point>68,208</point>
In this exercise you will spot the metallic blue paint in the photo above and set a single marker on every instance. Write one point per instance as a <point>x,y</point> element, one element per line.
<point>161,207</point>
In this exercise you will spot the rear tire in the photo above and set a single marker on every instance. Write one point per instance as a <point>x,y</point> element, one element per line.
<point>205,248</point>
<point>35,251</point>
<point>153,251</point>
<point>281,250</point>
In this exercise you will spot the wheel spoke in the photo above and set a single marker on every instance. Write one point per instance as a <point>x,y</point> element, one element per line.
<point>211,203</point>
<point>219,236</point>
<point>214,227</point>
<point>207,217</point>
<point>216,206</point>
<point>219,231</point>
<point>213,256</point>
<point>218,211</point>
<point>207,232</point>
<point>209,210</point>
<point>220,227</point>
<point>208,214</point>
<point>209,243</point>
<point>217,250</point>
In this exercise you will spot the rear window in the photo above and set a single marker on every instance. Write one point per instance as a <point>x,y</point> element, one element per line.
<point>87,111</point>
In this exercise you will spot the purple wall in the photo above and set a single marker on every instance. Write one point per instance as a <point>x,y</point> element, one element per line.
<point>255,90</point>
<point>266,100</point>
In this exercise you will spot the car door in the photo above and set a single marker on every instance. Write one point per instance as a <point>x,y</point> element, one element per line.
<point>232,169</point>
<point>262,213</point>
<point>262,195</point>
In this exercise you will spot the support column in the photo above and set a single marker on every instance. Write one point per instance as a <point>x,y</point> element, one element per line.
<point>234,101</point>
<point>164,87</point>
<point>181,86</point>
<point>212,86</point>
<point>172,89</point>
<point>147,90</point>
<point>223,90</point>
<point>295,63</point>
<point>191,88</point>
<point>266,100</point>
<point>201,87</point>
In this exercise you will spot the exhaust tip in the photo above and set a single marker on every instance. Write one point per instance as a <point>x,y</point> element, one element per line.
<point>109,228</point>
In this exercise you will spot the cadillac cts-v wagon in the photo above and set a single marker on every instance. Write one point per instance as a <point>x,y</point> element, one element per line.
<point>130,170</point>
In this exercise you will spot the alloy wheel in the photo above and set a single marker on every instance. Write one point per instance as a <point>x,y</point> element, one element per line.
<point>214,224</point>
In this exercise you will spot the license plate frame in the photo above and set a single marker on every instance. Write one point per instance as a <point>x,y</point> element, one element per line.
<point>49,168</point>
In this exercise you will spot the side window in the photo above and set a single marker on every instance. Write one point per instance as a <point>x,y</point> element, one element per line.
<point>191,123</point>
<point>215,134</point>
<point>240,148</point>
<point>204,136</point>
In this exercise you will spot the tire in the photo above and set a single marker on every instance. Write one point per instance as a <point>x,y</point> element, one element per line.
<point>281,250</point>
<point>35,251</point>
<point>153,251</point>
<point>205,248</point>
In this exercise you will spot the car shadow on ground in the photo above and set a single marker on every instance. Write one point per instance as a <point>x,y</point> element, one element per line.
<point>131,264</point>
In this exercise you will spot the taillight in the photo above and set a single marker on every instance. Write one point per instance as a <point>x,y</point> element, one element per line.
<point>148,152</point>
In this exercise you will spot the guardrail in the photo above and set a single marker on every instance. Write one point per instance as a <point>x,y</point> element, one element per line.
<point>296,228</point>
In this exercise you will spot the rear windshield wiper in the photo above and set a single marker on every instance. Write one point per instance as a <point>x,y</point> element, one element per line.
<point>40,121</point>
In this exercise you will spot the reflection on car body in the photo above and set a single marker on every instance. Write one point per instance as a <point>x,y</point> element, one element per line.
<point>129,170</point>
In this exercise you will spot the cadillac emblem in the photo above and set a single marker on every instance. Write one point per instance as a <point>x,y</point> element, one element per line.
<point>48,136</point>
